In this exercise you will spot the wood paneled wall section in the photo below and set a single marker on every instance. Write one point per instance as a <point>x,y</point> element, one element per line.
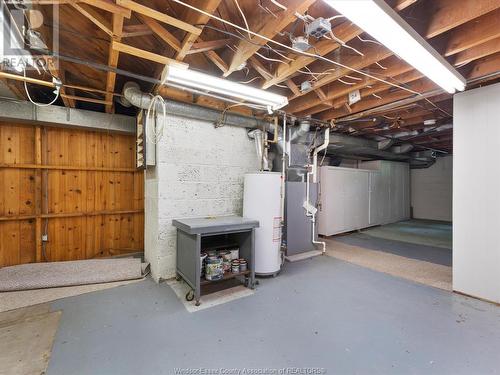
<point>80,187</point>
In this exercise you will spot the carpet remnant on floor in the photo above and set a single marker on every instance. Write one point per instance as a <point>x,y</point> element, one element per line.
<point>24,298</point>
<point>180,289</point>
<point>26,339</point>
<point>418,271</point>
<point>59,274</point>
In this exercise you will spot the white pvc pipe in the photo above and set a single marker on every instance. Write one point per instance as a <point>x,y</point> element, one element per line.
<point>314,174</point>
<point>283,166</point>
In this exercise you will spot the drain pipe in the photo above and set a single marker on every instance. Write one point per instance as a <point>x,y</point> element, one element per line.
<point>311,209</point>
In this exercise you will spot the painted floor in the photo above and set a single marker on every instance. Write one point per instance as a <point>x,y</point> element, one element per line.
<point>421,232</point>
<point>322,314</point>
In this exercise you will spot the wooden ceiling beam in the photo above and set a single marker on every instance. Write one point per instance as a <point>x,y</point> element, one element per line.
<point>477,52</point>
<point>131,31</point>
<point>473,33</point>
<point>311,101</point>
<point>259,67</point>
<point>422,86</point>
<point>366,93</point>
<point>267,26</point>
<point>209,45</point>
<point>485,66</point>
<point>217,60</point>
<point>346,31</point>
<point>293,87</point>
<point>113,56</point>
<point>143,54</point>
<point>86,99</point>
<point>161,32</point>
<point>195,18</point>
<point>402,4</point>
<point>393,65</point>
<point>109,6</point>
<point>159,16</point>
<point>96,18</point>
<point>448,14</point>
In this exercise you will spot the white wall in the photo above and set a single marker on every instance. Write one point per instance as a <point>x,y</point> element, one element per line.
<point>199,172</point>
<point>476,193</point>
<point>377,193</point>
<point>432,192</point>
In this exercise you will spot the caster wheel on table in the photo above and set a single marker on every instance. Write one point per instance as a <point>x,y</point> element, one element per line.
<point>197,303</point>
<point>190,295</point>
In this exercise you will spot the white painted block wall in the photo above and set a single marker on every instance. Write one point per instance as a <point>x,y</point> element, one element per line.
<point>432,190</point>
<point>199,172</point>
<point>476,193</point>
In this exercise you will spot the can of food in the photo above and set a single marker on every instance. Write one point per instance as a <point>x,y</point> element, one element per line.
<point>213,268</point>
<point>226,260</point>
<point>235,266</point>
<point>243,265</point>
<point>235,253</point>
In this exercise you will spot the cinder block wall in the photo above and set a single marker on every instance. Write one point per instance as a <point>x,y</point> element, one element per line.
<point>199,172</point>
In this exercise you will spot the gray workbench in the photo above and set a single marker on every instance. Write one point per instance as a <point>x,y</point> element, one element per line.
<point>190,235</point>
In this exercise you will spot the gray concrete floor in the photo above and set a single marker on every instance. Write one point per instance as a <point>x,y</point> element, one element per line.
<point>421,232</point>
<point>437,255</point>
<point>321,313</point>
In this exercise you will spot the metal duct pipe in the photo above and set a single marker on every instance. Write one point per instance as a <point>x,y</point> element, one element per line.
<point>402,149</point>
<point>301,130</point>
<point>258,136</point>
<point>132,95</point>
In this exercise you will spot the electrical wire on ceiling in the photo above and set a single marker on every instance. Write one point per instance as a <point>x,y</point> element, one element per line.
<point>342,43</point>
<point>345,82</point>
<point>354,78</point>
<point>267,10</point>
<point>368,40</point>
<point>316,56</point>
<point>279,5</point>
<point>250,80</point>
<point>243,15</point>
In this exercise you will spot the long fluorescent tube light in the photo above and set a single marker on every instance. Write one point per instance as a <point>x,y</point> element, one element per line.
<point>380,21</point>
<point>191,79</point>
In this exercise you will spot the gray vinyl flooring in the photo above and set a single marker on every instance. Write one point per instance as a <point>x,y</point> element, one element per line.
<point>320,313</point>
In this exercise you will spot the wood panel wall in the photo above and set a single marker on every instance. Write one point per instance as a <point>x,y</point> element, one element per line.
<point>79,187</point>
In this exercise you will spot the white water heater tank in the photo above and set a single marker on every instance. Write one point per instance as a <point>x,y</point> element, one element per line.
<point>262,202</point>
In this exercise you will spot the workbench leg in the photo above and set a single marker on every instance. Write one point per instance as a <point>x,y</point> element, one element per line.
<point>197,291</point>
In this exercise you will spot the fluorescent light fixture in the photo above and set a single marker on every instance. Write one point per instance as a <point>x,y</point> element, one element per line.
<point>380,21</point>
<point>191,79</point>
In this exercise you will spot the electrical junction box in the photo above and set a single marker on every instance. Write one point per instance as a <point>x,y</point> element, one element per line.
<point>305,86</point>
<point>354,97</point>
<point>319,27</point>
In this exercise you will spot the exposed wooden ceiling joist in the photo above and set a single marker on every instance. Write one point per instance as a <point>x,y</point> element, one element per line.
<point>267,26</point>
<point>113,56</point>
<point>448,14</point>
